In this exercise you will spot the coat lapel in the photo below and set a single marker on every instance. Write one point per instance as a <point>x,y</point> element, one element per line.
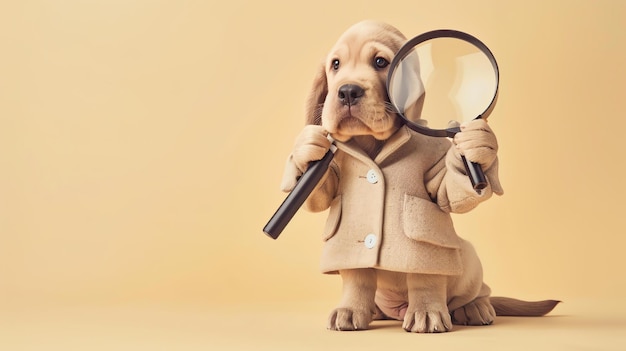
<point>399,138</point>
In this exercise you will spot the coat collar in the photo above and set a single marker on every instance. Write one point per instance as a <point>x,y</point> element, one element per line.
<point>395,141</point>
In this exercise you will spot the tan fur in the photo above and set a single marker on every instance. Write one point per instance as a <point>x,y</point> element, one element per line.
<point>426,301</point>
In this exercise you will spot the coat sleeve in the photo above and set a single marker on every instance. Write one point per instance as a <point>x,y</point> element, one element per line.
<point>323,194</point>
<point>449,185</point>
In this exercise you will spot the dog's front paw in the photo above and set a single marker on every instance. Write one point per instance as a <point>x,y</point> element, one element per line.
<point>427,319</point>
<point>477,312</point>
<point>348,319</point>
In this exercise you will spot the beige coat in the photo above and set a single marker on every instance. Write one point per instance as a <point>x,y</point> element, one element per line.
<point>393,212</point>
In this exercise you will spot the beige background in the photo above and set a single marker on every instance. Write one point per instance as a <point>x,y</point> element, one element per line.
<point>142,145</point>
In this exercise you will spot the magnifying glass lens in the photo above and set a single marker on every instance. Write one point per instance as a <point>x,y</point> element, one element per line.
<point>443,79</point>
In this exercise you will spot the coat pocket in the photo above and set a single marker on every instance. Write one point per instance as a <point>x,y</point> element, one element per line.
<point>424,221</point>
<point>334,215</point>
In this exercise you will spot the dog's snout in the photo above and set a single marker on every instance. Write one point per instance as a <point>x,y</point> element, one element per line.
<point>349,94</point>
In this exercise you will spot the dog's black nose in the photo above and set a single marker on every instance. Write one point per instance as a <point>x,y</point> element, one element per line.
<point>349,94</point>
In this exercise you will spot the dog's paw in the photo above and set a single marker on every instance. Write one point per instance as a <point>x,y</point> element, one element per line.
<point>477,312</point>
<point>346,319</point>
<point>428,319</point>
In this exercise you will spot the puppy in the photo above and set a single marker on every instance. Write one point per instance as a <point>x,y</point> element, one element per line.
<point>390,192</point>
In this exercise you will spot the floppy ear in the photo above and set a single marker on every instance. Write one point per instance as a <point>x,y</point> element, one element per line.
<point>316,98</point>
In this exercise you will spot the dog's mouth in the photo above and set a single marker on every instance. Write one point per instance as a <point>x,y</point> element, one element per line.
<point>348,125</point>
<point>346,121</point>
<point>349,122</point>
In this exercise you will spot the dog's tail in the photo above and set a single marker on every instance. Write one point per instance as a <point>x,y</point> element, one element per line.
<point>506,306</point>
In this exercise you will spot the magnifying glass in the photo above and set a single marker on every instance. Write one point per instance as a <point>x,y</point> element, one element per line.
<point>434,78</point>
<point>442,76</point>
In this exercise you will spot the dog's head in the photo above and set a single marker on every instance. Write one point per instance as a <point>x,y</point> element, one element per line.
<point>349,95</point>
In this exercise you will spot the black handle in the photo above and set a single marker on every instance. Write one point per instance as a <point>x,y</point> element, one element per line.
<point>475,173</point>
<point>298,195</point>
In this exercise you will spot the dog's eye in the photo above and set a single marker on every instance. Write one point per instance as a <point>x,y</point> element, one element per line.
<point>335,64</point>
<point>380,62</point>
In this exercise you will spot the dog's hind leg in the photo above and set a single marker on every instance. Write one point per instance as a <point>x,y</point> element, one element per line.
<point>478,311</point>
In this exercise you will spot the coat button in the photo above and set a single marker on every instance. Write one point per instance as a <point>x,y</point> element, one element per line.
<point>370,241</point>
<point>372,177</point>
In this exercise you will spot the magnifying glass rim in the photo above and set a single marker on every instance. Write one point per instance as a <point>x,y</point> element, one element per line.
<point>443,33</point>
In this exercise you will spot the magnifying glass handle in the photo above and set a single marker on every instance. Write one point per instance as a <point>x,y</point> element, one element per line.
<point>475,173</point>
<point>299,194</point>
